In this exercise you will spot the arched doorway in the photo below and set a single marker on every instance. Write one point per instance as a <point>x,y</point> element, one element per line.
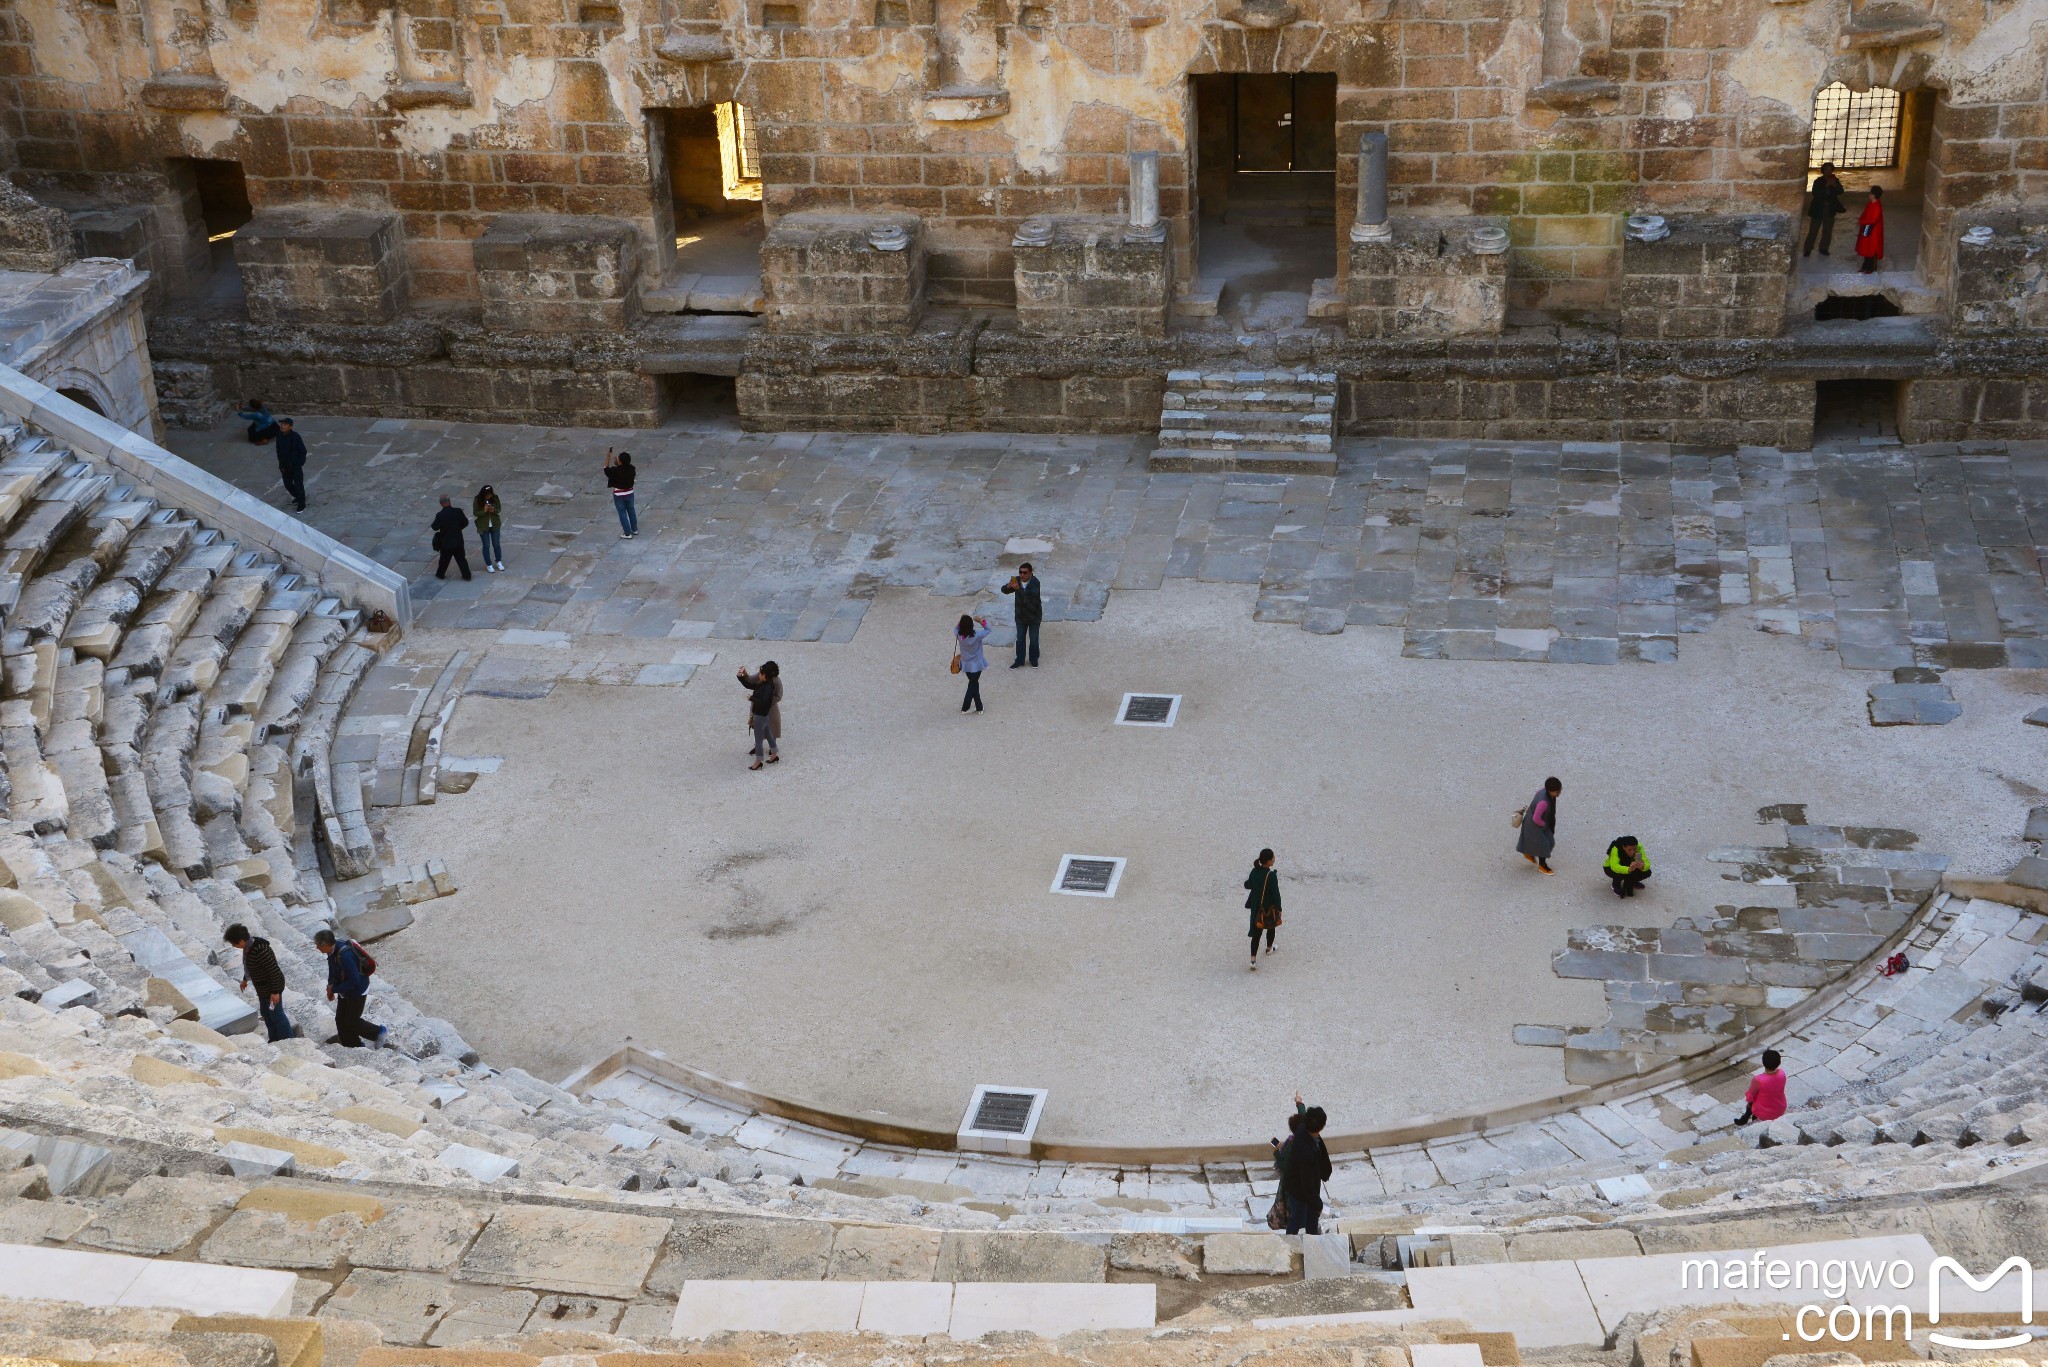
<point>83,400</point>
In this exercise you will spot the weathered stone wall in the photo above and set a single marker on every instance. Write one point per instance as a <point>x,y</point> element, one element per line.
<point>1709,276</point>
<point>1558,118</point>
<point>1092,277</point>
<point>1426,281</point>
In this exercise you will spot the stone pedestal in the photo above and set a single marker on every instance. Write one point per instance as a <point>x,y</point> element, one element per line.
<point>322,266</point>
<point>2002,283</point>
<point>550,273</point>
<point>1713,276</point>
<point>1093,276</point>
<point>832,273</point>
<point>1428,279</point>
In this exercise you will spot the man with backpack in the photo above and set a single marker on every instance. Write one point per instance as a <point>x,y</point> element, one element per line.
<point>349,967</point>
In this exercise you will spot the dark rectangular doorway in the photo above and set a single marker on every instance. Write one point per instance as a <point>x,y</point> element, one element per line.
<point>1266,189</point>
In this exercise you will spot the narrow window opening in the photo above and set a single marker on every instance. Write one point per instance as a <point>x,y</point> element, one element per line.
<point>739,152</point>
<point>1857,130</point>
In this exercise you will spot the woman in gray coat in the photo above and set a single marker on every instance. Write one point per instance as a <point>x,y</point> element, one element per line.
<point>1539,826</point>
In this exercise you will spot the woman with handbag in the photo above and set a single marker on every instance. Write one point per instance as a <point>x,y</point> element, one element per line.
<point>968,658</point>
<point>1538,825</point>
<point>1870,231</point>
<point>1263,903</point>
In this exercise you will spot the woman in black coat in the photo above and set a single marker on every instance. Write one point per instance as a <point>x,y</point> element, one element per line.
<point>1263,885</point>
<point>1539,826</point>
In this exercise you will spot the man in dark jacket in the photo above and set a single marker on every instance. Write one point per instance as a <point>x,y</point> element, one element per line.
<point>259,966</point>
<point>448,525</point>
<point>348,985</point>
<point>291,462</point>
<point>1823,209</point>
<point>1304,1163</point>
<point>1030,612</point>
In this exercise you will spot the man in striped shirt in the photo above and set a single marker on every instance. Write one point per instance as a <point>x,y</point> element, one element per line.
<point>259,966</point>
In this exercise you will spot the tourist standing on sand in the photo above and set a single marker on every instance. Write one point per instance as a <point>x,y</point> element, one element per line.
<point>1263,885</point>
<point>766,690</point>
<point>1304,1165</point>
<point>448,525</point>
<point>489,514</point>
<point>1539,826</point>
<point>291,462</point>
<point>1030,611</point>
<point>1870,231</point>
<point>968,635</point>
<point>1765,1099</point>
<point>619,474</point>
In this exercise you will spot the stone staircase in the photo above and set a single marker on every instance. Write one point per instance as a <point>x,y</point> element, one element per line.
<point>1263,421</point>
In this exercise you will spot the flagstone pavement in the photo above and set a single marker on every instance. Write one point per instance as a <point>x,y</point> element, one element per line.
<point>1588,553</point>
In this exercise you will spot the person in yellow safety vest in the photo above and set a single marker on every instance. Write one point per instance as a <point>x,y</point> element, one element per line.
<point>1628,865</point>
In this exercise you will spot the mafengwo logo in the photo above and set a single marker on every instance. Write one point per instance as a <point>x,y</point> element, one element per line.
<point>1855,1286</point>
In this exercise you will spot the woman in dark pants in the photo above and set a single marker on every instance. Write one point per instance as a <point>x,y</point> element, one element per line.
<point>766,690</point>
<point>967,638</point>
<point>1263,903</point>
<point>1539,826</point>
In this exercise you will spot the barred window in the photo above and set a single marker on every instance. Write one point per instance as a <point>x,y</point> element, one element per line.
<point>739,153</point>
<point>1857,130</point>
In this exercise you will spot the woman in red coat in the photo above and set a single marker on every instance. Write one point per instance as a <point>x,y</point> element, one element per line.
<point>1870,230</point>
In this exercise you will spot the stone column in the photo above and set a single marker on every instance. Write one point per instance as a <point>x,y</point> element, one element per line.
<point>1371,224</point>
<point>1145,224</point>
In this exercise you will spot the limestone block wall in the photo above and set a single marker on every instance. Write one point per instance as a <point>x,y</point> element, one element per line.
<point>1712,276</point>
<point>829,273</point>
<point>2002,283</point>
<point>33,236</point>
<point>322,266</point>
<point>1427,281</point>
<point>1093,276</point>
<point>556,273</point>
<point>974,120</point>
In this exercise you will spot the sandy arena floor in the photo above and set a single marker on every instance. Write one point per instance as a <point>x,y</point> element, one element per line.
<point>867,926</point>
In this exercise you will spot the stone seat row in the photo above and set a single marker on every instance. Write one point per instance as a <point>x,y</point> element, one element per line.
<point>167,709</point>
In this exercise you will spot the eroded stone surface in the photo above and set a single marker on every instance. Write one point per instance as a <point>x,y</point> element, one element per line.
<point>577,1252</point>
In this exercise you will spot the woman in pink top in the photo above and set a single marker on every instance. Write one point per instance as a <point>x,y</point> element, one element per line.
<point>1765,1099</point>
<point>1538,827</point>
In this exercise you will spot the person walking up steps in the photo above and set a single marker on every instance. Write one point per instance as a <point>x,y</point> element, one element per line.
<point>259,966</point>
<point>1765,1099</point>
<point>619,473</point>
<point>1263,903</point>
<point>766,688</point>
<point>291,462</point>
<point>968,635</point>
<point>1627,865</point>
<point>348,986</point>
<point>1539,826</point>
<point>489,514</point>
<point>1030,611</point>
<point>448,525</point>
